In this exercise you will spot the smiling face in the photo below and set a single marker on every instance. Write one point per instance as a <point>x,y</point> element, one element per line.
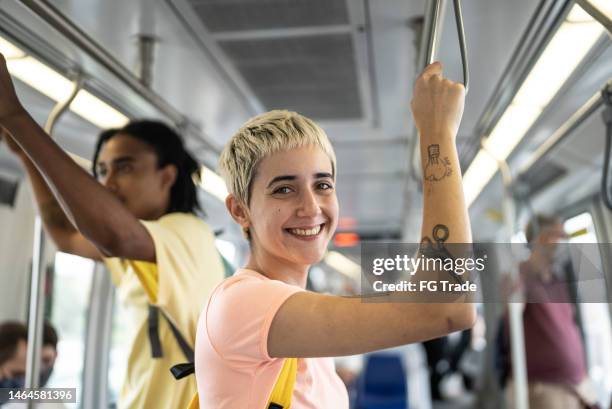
<point>293,211</point>
<point>128,167</point>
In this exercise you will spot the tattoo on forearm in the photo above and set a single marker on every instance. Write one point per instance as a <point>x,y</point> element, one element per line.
<point>53,215</point>
<point>440,234</point>
<point>436,168</point>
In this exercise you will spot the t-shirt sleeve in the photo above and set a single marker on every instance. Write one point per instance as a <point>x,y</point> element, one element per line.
<point>187,267</point>
<point>185,256</point>
<point>167,236</point>
<point>172,251</point>
<point>239,316</point>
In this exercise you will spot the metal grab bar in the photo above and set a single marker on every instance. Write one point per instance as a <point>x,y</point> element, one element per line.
<point>429,43</point>
<point>564,131</point>
<point>606,189</point>
<point>462,46</point>
<point>57,20</point>
<point>433,37</point>
<point>63,25</point>
<point>431,32</point>
<point>597,13</point>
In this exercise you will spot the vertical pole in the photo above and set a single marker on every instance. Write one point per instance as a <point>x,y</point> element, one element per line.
<point>146,52</point>
<point>515,308</point>
<point>36,311</point>
<point>38,277</point>
<point>515,314</point>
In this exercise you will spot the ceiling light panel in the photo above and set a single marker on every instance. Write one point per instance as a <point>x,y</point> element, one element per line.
<point>574,38</point>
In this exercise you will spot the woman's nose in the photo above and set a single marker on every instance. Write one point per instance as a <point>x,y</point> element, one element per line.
<point>309,204</point>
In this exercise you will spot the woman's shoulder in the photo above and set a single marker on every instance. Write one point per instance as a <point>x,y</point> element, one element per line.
<point>247,279</point>
<point>247,287</point>
<point>239,313</point>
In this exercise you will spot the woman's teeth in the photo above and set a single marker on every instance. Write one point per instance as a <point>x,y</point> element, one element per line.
<point>310,232</point>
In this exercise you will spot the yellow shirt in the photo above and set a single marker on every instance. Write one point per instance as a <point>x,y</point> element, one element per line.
<point>187,269</point>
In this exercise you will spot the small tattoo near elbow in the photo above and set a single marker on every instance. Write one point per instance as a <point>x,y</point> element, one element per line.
<point>438,250</point>
<point>440,234</point>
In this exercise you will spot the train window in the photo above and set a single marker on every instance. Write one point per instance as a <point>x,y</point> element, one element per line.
<point>227,250</point>
<point>119,350</point>
<point>595,316</point>
<point>580,229</point>
<point>73,277</point>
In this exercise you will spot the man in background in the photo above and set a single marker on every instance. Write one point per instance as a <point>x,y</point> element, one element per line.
<point>13,354</point>
<point>555,355</point>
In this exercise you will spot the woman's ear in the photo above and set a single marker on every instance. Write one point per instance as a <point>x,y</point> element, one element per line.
<point>238,211</point>
<point>169,174</point>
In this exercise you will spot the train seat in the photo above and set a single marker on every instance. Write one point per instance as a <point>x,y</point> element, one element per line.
<point>382,384</point>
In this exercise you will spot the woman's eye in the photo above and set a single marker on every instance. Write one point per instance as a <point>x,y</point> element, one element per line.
<point>283,190</point>
<point>325,186</point>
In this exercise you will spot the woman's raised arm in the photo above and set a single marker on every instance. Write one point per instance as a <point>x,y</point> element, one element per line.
<point>94,211</point>
<point>310,325</point>
<point>65,236</point>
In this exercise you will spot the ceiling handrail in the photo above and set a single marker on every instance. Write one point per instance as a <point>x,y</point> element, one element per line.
<point>58,21</point>
<point>433,33</point>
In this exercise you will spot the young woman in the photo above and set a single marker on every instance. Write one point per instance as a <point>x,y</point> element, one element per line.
<point>281,172</point>
<point>139,218</point>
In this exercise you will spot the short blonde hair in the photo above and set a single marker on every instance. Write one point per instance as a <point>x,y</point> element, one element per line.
<point>262,136</point>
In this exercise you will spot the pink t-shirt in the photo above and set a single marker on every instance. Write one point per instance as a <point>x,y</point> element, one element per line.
<point>233,368</point>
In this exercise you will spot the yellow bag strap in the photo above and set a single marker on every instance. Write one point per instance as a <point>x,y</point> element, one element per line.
<point>280,398</point>
<point>195,402</point>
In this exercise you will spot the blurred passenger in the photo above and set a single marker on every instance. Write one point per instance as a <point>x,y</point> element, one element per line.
<point>280,169</point>
<point>13,355</point>
<point>139,217</point>
<point>443,359</point>
<point>555,354</point>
